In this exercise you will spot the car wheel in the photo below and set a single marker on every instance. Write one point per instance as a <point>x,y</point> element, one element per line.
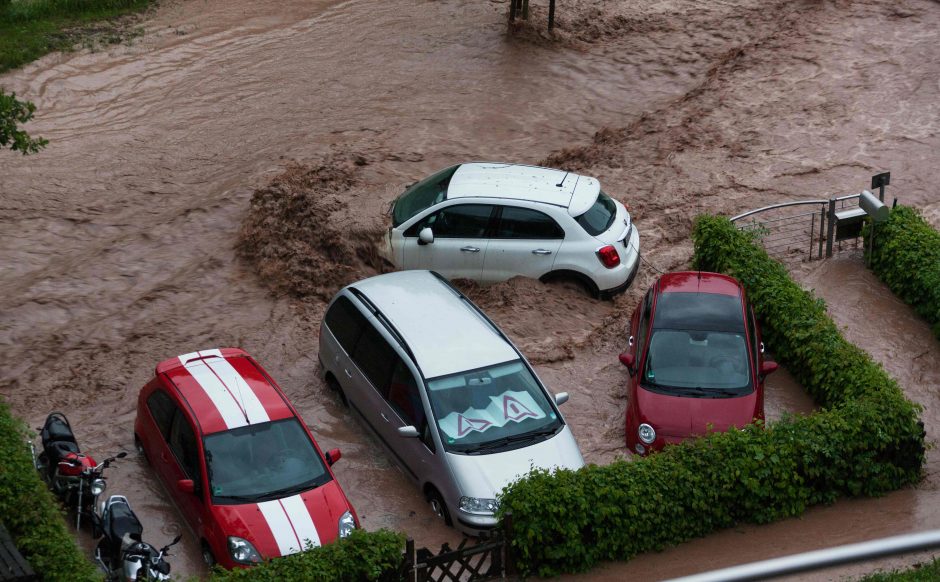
<point>207,556</point>
<point>334,385</point>
<point>571,281</point>
<point>436,501</point>
<point>140,449</point>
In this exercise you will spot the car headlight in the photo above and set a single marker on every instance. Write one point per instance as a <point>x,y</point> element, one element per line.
<point>646,433</point>
<point>477,505</point>
<point>97,487</point>
<point>242,551</point>
<point>346,524</point>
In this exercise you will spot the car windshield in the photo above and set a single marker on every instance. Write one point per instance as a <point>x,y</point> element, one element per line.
<point>709,364</point>
<point>262,461</point>
<point>599,217</point>
<point>491,409</point>
<point>421,195</point>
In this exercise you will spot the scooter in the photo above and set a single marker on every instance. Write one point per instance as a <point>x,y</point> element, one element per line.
<point>72,475</point>
<point>121,552</point>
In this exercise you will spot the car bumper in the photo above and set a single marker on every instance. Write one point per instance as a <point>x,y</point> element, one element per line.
<point>610,282</point>
<point>608,293</point>
<point>480,526</point>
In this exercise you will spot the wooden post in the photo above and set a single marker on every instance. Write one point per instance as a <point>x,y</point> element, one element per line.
<point>525,9</point>
<point>512,10</point>
<point>509,559</point>
<point>551,14</point>
<point>408,564</point>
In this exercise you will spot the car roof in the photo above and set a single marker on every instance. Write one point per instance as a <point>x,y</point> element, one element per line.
<point>699,282</point>
<point>568,190</point>
<point>444,332</point>
<point>693,300</point>
<point>225,389</point>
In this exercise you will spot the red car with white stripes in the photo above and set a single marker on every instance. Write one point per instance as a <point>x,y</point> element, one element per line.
<point>240,464</point>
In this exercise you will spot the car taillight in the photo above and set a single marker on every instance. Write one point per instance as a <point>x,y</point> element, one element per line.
<point>608,256</point>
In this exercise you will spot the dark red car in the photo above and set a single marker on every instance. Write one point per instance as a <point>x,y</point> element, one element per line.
<point>696,361</point>
<point>241,466</point>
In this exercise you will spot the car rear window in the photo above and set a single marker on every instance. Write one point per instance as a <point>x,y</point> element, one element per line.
<point>422,195</point>
<point>600,216</point>
<point>699,311</point>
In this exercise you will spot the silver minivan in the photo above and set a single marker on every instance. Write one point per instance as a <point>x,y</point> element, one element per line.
<point>444,390</point>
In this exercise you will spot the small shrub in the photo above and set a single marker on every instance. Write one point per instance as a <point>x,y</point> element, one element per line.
<point>362,556</point>
<point>906,256</point>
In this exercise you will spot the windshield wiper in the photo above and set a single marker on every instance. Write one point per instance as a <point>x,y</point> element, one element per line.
<point>287,491</point>
<point>493,444</point>
<point>699,391</point>
<point>503,441</point>
<point>248,498</point>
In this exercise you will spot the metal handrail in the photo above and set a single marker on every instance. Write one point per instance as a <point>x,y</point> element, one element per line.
<point>819,559</point>
<point>781,205</point>
<point>847,196</point>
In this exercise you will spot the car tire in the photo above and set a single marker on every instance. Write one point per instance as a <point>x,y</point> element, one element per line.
<point>335,386</point>
<point>139,445</point>
<point>207,557</point>
<point>572,280</point>
<point>438,507</point>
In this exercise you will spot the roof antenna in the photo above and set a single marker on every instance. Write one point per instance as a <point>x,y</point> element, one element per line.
<point>558,185</point>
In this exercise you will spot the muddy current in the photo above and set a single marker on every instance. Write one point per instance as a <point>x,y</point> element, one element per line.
<point>214,182</point>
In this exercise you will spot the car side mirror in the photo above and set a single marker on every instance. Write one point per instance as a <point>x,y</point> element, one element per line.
<point>426,236</point>
<point>408,432</point>
<point>332,456</point>
<point>768,367</point>
<point>628,360</point>
<point>186,485</point>
<point>561,398</point>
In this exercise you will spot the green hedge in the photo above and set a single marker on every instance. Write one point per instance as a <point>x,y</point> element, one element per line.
<point>866,441</point>
<point>32,514</point>
<point>906,257</point>
<point>362,556</point>
<point>929,572</point>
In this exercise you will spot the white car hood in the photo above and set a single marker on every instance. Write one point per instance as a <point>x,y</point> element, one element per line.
<point>484,476</point>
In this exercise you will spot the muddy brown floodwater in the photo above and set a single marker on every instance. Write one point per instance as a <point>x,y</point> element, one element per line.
<point>118,242</point>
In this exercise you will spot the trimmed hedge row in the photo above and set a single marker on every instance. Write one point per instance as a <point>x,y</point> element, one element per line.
<point>906,257</point>
<point>32,514</point>
<point>866,441</point>
<point>362,556</point>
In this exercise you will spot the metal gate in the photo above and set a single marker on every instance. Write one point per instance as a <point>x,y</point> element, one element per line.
<point>798,231</point>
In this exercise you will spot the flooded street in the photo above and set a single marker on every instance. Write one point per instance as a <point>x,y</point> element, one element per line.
<point>118,242</point>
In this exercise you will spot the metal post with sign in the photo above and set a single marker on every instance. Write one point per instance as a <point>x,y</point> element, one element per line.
<point>878,212</point>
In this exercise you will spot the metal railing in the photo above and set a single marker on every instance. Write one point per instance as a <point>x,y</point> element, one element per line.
<point>819,559</point>
<point>786,230</point>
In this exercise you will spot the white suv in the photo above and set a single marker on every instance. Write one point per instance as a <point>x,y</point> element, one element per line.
<point>489,222</point>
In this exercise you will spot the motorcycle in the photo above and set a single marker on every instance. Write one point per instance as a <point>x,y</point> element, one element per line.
<point>73,476</point>
<point>121,551</point>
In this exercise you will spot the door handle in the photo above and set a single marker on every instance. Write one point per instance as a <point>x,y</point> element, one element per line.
<point>385,418</point>
<point>470,249</point>
<point>348,373</point>
<point>541,252</point>
<point>164,458</point>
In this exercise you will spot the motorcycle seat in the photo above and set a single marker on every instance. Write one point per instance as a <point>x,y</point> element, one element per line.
<point>56,451</point>
<point>122,522</point>
<point>56,428</point>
